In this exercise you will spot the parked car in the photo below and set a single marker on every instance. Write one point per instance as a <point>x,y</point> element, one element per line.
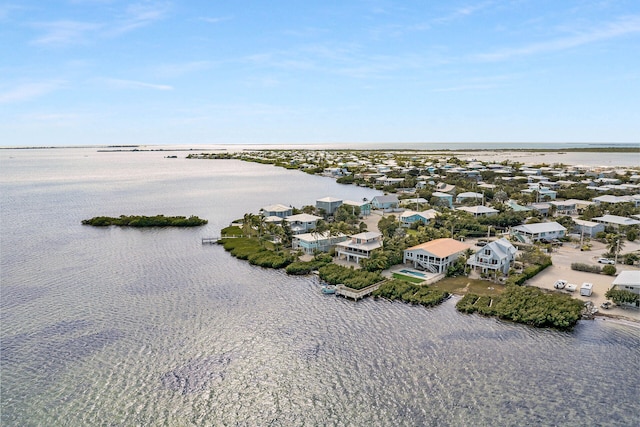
<point>560,284</point>
<point>606,261</point>
<point>481,243</point>
<point>570,287</point>
<point>606,304</point>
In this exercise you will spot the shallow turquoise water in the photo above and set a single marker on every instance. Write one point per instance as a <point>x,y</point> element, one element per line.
<point>150,327</point>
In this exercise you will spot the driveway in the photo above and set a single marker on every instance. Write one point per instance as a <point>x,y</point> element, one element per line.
<point>561,269</point>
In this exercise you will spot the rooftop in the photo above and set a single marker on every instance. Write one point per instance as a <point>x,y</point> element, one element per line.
<point>441,248</point>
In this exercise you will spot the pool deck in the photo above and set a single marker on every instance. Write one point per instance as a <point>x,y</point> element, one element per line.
<point>426,275</point>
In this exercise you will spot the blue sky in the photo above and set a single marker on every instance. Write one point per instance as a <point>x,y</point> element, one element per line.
<point>82,72</point>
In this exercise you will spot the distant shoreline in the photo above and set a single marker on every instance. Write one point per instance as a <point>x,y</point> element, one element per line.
<point>392,147</point>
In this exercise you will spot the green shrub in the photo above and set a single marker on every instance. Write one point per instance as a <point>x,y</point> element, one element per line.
<point>146,221</point>
<point>410,293</point>
<point>622,296</point>
<point>356,279</point>
<point>270,259</point>
<point>306,267</point>
<point>528,273</point>
<point>578,266</point>
<point>250,249</point>
<point>232,230</point>
<point>609,270</point>
<point>528,305</point>
<point>466,304</point>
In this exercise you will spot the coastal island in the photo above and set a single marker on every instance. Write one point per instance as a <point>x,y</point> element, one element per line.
<point>140,221</point>
<point>454,225</point>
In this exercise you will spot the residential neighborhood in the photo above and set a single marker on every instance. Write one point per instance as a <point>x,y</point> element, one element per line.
<point>434,208</point>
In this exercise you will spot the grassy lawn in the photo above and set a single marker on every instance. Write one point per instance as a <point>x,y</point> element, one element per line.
<point>463,285</point>
<point>407,278</point>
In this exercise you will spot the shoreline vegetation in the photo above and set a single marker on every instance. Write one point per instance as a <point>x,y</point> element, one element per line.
<point>401,170</point>
<point>139,221</point>
<point>512,302</point>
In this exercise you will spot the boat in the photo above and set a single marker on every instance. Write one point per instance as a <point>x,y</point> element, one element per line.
<point>328,289</point>
<point>560,284</point>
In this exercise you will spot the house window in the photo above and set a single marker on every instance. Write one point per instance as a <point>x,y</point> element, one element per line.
<point>487,252</point>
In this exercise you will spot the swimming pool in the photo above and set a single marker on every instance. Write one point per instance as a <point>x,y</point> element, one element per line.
<point>413,273</point>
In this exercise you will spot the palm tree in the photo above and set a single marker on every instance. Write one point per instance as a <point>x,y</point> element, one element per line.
<point>247,224</point>
<point>614,244</point>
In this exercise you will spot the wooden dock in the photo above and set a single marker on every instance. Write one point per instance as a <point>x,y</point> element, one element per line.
<point>210,240</point>
<point>356,294</point>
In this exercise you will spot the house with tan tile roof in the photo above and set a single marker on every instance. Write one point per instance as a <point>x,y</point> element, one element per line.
<point>436,255</point>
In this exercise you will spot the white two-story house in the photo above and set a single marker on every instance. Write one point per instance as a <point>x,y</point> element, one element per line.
<point>498,255</point>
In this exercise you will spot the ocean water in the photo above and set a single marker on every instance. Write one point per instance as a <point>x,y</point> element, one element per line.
<point>111,326</point>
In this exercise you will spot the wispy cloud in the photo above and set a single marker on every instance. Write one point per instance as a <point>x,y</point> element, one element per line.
<point>73,32</point>
<point>215,20</point>
<point>478,83</point>
<point>621,27</point>
<point>132,84</point>
<point>27,91</point>
<point>7,9</point>
<point>463,88</point>
<point>419,26</point>
<point>463,12</point>
<point>342,60</point>
<point>60,33</point>
<point>139,15</point>
<point>180,69</point>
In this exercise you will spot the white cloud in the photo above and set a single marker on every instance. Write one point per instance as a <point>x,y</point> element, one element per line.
<point>215,20</point>
<point>27,91</point>
<point>69,32</point>
<point>139,15</point>
<point>621,27</point>
<point>179,69</point>
<point>463,12</point>
<point>65,32</point>
<point>132,84</point>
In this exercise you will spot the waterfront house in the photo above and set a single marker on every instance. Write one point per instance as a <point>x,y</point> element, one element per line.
<point>408,218</point>
<point>301,223</point>
<point>386,202</point>
<point>385,180</point>
<point>498,255</point>
<point>479,210</point>
<point>359,246</point>
<point>310,243</point>
<point>328,204</point>
<point>436,255</point>
<point>281,211</point>
<point>530,233</point>
<point>628,280</point>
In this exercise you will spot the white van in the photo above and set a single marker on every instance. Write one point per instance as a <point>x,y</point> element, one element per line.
<point>586,289</point>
